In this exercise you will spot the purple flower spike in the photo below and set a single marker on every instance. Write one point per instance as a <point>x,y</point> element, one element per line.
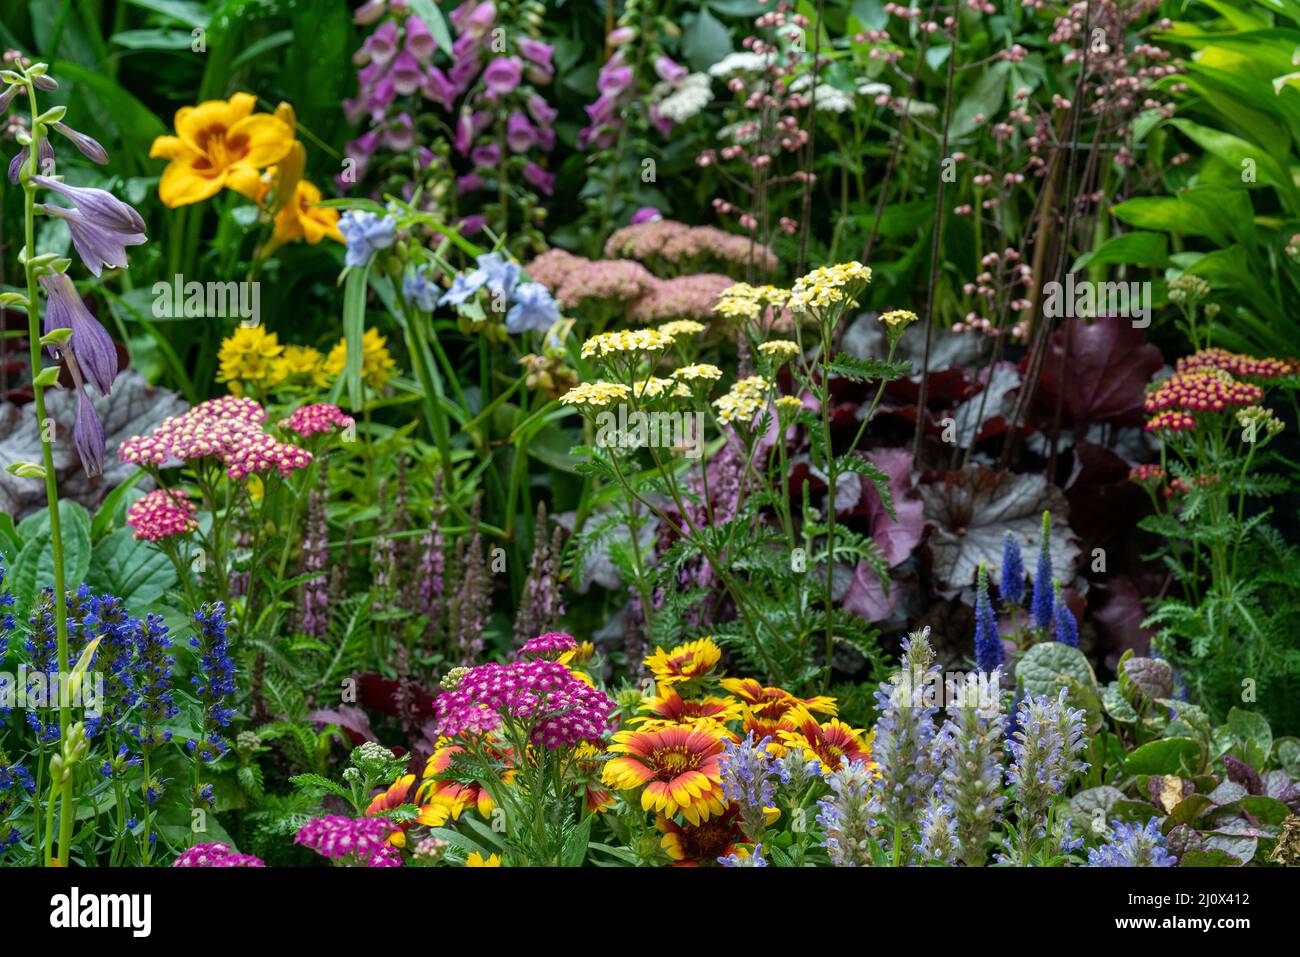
<point>88,146</point>
<point>502,76</point>
<point>102,225</point>
<point>419,41</point>
<point>89,347</point>
<point>88,435</point>
<point>46,159</point>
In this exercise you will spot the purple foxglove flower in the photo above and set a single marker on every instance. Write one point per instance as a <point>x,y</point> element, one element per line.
<point>438,88</point>
<point>543,113</point>
<point>368,76</point>
<point>88,435</point>
<point>470,183</point>
<point>475,19</point>
<point>646,214</point>
<point>381,98</point>
<point>621,36</point>
<point>400,136</point>
<point>89,347</point>
<point>534,308</point>
<point>614,79</point>
<point>469,225</point>
<point>660,122</point>
<point>419,41</point>
<point>603,111</point>
<point>546,139</point>
<point>44,162</point>
<point>539,178</point>
<point>102,226</point>
<point>382,44</point>
<point>88,146</point>
<point>426,157</point>
<point>669,70</point>
<point>465,47</point>
<point>487,156</point>
<point>520,135</point>
<point>406,73</point>
<point>537,52</point>
<point>463,72</point>
<point>502,76</point>
<point>369,12</point>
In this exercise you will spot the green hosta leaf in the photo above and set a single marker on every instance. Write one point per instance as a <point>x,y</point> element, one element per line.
<point>1166,756</point>
<point>131,569</point>
<point>1047,667</point>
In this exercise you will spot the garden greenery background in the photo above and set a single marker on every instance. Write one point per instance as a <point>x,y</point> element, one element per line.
<point>599,434</point>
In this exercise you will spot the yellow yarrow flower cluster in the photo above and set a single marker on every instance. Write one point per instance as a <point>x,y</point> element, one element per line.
<point>655,387</point>
<point>743,301</point>
<point>699,371</point>
<point>594,395</point>
<point>743,401</point>
<point>304,366</point>
<point>682,327</point>
<point>250,356</point>
<point>626,341</point>
<point>829,286</point>
<point>377,363</point>
<point>898,317</point>
<point>779,350</point>
<point>788,406</point>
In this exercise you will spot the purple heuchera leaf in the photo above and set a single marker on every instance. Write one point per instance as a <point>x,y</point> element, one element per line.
<point>896,536</point>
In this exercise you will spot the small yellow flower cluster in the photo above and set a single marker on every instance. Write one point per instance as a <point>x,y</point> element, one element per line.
<point>377,364</point>
<point>251,355</point>
<point>627,340</point>
<point>595,395</point>
<point>829,286</point>
<point>743,401</point>
<point>898,317</point>
<point>697,372</point>
<point>780,351</point>
<point>682,327</point>
<point>655,387</point>
<point>788,406</point>
<point>743,301</point>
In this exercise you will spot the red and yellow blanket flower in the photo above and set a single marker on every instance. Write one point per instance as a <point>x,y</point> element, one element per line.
<point>432,814</point>
<point>218,144</point>
<point>686,662</point>
<point>677,768</point>
<point>832,744</point>
<point>455,795</point>
<point>670,708</point>
<point>693,845</point>
<point>771,703</point>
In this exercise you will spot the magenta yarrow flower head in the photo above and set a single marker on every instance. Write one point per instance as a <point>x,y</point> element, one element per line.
<point>355,842</point>
<point>216,854</point>
<point>102,226</point>
<point>162,513</point>
<point>321,417</point>
<point>549,646</point>
<point>550,705</point>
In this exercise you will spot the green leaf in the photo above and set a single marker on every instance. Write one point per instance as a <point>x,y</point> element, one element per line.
<point>1086,805</point>
<point>1049,666</point>
<point>1266,809</point>
<point>189,13</point>
<point>1166,756</point>
<point>705,41</point>
<point>850,367</point>
<point>34,567</point>
<point>1136,248</point>
<point>1187,810</point>
<point>130,568</point>
<point>1210,858</point>
<point>1251,735</point>
<point>354,327</point>
<point>108,509</point>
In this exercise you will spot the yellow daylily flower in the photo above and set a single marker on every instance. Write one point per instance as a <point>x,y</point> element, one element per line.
<point>301,218</point>
<point>219,143</point>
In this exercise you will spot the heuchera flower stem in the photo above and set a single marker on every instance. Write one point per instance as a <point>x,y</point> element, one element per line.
<point>47,460</point>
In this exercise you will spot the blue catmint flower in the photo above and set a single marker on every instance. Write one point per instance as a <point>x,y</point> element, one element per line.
<point>988,643</point>
<point>365,234</point>
<point>748,775</point>
<point>102,226</point>
<point>533,309</point>
<point>1042,603</point>
<point>1067,629</point>
<point>969,749</point>
<point>1045,752</point>
<point>845,817</point>
<point>419,289</point>
<point>1133,846</point>
<point>1012,585</point>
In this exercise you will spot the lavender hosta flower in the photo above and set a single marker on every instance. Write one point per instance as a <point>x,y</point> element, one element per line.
<point>88,146</point>
<point>748,777</point>
<point>988,643</point>
<point>969,749</point>
<point>45,160</point>
<point>1044,751</point>
<point>365,234</point>
<point>1133,846</point>
<point>1012,585</point>
<point>904,736</point>
<point>1042,603</point>
<point>1067,629</point>
<point>102,226</point>
<point>844,816</point>
<point>533,309</point>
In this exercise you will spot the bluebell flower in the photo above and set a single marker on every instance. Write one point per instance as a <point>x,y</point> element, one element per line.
<point>988,643</point>
<point>1067,629</point>
<point>419,289</point>
<point>365,234</point>
<point>533,308</point>
<point>1133,846</point>
<point>1012,585</point>
<point>1042,604</point>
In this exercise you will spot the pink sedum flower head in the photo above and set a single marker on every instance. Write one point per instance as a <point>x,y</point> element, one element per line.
<point>161,514</point>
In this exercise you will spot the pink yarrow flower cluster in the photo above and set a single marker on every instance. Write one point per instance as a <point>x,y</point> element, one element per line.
<point>549,646</point>
<point>162,513</point>
<point>553,706</point>
<point>216,854</point>
<point>361,841</point>
<point>228,429</point>
<point>321,417</point>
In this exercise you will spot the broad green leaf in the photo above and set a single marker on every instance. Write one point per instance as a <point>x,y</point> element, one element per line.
<point>1166,756</point>
<point>131,568</point>
<point>1136,248</point>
